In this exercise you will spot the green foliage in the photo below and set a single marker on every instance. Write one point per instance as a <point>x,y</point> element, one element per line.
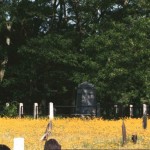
<point>56,45</point>
<point>10,110</point>
<point>122,57</point>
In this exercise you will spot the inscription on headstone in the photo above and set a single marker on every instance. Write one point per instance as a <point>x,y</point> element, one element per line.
<point>86,101</point>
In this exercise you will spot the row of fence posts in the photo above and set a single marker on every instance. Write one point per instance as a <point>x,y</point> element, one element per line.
<point>36,113</point>
<point>131,109</point>
<point>35,110</point>
<point>51,110</point>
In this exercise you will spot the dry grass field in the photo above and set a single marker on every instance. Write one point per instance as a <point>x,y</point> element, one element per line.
<point>75,133</point>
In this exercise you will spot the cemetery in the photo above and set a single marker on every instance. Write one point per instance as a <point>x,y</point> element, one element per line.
<point>84,127</point>
<point>75,73</point>
<point>85,105</point>
<point>117,112</point>
<point>76,133</point>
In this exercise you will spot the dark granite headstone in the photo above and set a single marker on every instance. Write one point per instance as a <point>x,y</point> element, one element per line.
<point>86,101</point>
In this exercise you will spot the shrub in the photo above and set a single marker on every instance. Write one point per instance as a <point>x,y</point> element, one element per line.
<point>10,110</point>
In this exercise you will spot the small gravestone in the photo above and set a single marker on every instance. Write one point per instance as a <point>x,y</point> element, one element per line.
<point>18,144</point>
<point>86,101</point>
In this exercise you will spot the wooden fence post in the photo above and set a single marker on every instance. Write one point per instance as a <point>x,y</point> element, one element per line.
<point>18,144</point>
<point>51,111</point>
<point>35,110</point>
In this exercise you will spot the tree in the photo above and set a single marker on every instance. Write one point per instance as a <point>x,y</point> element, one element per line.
<point>55,45</point>
<point>120,53</point>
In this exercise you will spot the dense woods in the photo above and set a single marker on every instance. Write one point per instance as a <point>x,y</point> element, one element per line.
<point>48,47</point>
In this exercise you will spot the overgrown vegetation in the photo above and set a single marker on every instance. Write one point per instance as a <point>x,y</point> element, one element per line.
<point>10,110</point>
<point>56,45</point>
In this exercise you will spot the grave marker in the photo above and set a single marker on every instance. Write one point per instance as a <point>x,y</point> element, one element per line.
<point>18,144</point>
<point>86,101</point>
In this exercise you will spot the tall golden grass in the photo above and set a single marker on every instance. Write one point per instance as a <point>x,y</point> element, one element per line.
<point>75,133</point>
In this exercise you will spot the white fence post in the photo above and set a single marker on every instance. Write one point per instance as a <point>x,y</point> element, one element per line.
<point>20,110</point>
<point>35,110</point>
<point>51,111</point>
<point>131,110</point>
<point>116,109</point>
<point>18,144</point>
<point>144,109</point>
